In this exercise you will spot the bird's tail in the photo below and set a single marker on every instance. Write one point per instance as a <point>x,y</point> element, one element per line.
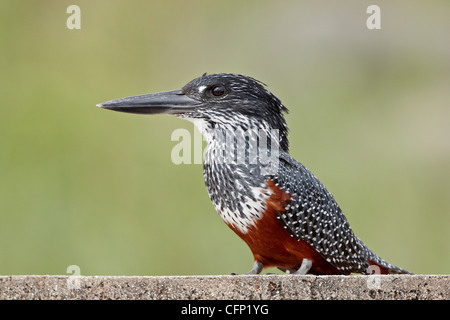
<point>379,266</point>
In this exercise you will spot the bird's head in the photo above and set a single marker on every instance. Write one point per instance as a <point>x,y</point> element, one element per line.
<point>237,101</point>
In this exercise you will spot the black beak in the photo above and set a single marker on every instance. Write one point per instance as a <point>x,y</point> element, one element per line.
<point>171,102</point>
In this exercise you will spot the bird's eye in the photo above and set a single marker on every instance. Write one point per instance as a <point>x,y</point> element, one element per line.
<point>218,90</point>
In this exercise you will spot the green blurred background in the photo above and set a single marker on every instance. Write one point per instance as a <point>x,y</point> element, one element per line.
<point>369,115</point>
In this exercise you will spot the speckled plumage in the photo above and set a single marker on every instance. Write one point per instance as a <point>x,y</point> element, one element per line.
<point>314,216</point>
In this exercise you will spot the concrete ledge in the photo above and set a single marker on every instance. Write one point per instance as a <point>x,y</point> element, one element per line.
<point>265,287</point>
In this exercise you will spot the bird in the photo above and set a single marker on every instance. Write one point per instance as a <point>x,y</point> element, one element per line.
<point>278,207</point>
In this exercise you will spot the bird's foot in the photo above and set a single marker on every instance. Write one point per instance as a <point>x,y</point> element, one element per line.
<point>257,268</point>
<point>304,268</point>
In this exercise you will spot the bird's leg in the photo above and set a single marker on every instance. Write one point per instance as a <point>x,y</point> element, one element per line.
<point>257,268</point>
<point>304,268</point>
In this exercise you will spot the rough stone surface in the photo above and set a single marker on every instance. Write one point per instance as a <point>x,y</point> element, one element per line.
<point>265,287</point>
